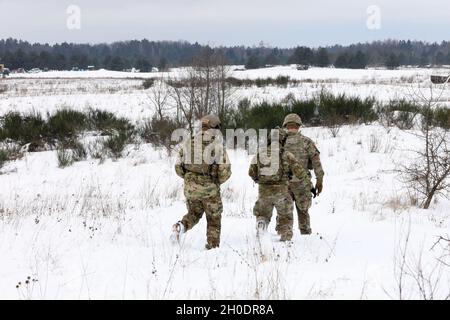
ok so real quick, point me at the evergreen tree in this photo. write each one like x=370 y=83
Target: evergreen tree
x=253 y=62
x=392 y=62
x=303 y=55
x=162 y=66
x=144 y=65
x=358 y=61
x=439 y=58
x=117 y=64
x=323 y=60
x=342 y=61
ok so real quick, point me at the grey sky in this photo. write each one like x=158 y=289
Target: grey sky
x=283 y=23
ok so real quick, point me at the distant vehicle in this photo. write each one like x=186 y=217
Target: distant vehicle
x=133 y=70
x=302 y=67
x=154 y=69
x=75 y=69
x=35 y=70
x=6 y=72
x=440 y=79
x=90 y=68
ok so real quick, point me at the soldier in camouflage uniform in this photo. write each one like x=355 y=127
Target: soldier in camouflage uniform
x=203 y=176
x=306 y=152
x=273 y=187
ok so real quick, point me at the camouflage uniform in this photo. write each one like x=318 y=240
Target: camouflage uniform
x=202 y=187
x=307 y=154
x=276 y=194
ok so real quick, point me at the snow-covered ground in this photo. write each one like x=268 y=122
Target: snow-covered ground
x=238 y=72
x=100 y=230
x=120 y=93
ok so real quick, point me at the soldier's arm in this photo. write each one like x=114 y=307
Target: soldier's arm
x=296 y=167
x=314 y=156
x=224 y=169
x=179 y=167
x=253 y=171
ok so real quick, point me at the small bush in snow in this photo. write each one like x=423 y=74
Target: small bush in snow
x=66 y=123
x=65 y=157
x=79 y=152
x=158 y=132
x=441 y=117
x=374 y=143
x=115 y=144
x=399 y=113
x=24 y=128
x=106 y=122
x=148 y=83
x=96 y=149
x=3 y=157
x=3 y=89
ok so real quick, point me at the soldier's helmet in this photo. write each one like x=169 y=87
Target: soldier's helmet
x=211 y=121
x=292 y=118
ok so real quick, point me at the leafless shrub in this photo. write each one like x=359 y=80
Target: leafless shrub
x=334 y=125
x=374 y=143
x=204 y=90
x=65 y=157
x=96 y=150
x=417 y=278
x=3 y=88
x=158 y=131
x=429 y=174
x=158 y=95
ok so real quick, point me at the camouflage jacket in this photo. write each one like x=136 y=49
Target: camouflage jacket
x=306 y=153
x=289 y=165
x=202 y=180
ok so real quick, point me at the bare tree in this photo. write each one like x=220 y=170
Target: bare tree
x=429 y=174
x=158 y=96
x=183 y=93
x=203 y=89
x=415 y=275
x=224 y=91
x=334 y=123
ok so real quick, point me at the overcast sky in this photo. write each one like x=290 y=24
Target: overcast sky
x=284 y=23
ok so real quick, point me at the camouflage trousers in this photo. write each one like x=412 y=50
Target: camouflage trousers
x=213 y=208
x=301 y=193
x=271 y=196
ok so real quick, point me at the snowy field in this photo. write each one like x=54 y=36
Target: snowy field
x=100 y=230
x=123 y=94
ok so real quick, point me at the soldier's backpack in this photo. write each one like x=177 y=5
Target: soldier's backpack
x=269 y=172
x=197 y=162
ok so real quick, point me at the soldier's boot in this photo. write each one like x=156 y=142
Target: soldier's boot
x=261 y=227
x=177 y=230
x=303 y=222
x=286 y=236
x=211 y=245
x=285 y=233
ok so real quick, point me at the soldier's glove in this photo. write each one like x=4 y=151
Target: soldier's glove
x=319 y=186
x=214 y=172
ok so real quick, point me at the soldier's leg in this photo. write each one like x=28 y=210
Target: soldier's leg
x=285 y=218
x=303 y=199
x=213 y=208
x=195 y=212
x=263 y=210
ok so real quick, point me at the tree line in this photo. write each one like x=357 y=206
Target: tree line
x=145 y=54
